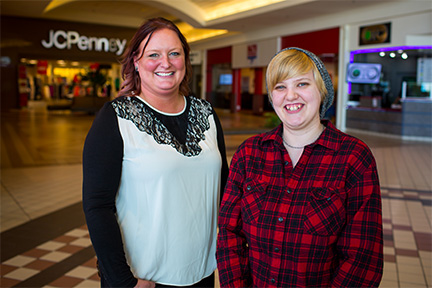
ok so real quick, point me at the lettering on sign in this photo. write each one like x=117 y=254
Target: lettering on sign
x=66 y=39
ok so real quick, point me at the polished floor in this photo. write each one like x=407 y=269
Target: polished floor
x=44 y=241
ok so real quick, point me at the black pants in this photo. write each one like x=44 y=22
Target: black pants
x=204 y=283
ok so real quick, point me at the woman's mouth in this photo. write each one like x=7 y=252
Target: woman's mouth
x=293 y=108
x=164 y=74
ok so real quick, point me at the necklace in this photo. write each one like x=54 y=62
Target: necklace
x=301 y=147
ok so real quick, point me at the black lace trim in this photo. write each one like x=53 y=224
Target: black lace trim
x=144 y=119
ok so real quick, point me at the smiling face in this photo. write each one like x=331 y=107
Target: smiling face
x=297 y=101
x=296 y=89
x=162 y=65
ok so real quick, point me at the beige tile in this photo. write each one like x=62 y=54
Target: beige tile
x=404 y=239
x=410 y=269
x=55 y=256
x=19 y=261
x=82 y=242
x=21 y=274
x=51 y=245
x=389 y=274
x=81 y=272
x=407 y=280
x=388 y=284
x=88 y=284
x=426 y=258
x=428 y=276
x=407 y=261
x=77 y=233
x=389 y=250
x=410 y=285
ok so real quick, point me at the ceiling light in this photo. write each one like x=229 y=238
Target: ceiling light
x=382 y=54
x=392 y=55
x=404 y=56
x=235 y=7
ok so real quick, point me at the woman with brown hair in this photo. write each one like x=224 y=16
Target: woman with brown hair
x=154 y=166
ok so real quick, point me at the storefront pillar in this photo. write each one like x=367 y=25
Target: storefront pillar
x=258 y=97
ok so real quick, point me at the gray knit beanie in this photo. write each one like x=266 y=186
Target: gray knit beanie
x=328 y=99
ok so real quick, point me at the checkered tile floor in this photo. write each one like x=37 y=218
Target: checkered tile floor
x=51 y=258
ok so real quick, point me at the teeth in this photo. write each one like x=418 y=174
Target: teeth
x=164 y=74
x=294 y=107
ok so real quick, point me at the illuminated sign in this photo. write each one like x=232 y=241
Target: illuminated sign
x=364 y=72
x=375 y=34
x=66 y=39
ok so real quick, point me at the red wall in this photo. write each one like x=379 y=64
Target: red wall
x=318 y=42
x=216 y=56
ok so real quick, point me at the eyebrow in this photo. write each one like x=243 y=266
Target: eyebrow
x=303 y=78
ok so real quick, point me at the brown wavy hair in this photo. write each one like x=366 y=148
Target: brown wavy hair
x=131 y=81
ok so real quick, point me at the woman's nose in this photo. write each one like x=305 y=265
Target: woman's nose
x=291 y=94
x=165 y=61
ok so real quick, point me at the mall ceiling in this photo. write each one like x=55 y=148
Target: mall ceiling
x=198 y=19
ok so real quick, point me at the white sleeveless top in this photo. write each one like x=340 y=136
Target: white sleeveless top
x=168 y=198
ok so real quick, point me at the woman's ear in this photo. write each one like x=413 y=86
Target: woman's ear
x=135 y=63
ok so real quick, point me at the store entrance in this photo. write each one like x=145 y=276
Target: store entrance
x=64 y=84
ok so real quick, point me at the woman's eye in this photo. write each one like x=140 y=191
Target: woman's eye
x=175 y=54
x=153 y=55
x=279 y=87
x=303 y=84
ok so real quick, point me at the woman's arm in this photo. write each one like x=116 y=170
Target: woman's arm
x=232 y=251
x=222 y=151
x=102 y=165
x=361 y=242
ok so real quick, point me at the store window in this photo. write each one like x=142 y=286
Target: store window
x=59 y=79
x=386 y=76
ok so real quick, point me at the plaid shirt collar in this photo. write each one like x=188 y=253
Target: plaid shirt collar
x=329 y=138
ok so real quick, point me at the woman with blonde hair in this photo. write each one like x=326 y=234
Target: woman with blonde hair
x=302 y=205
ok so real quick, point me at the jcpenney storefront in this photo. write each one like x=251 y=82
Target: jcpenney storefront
x=55 y=62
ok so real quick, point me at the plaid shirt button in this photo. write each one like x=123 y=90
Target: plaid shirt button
x=280 y=219
x=289 y=191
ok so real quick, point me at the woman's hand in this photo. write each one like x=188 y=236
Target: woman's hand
x=145 y=284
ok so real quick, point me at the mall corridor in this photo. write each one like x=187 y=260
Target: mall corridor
x=44 y=241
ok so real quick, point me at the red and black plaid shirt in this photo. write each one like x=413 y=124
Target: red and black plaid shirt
x=316 y=225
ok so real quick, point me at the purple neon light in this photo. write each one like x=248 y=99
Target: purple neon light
x=382 y=49
x=385 y=49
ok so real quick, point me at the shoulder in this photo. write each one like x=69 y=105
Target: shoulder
x=262 y=141
x=351 y=148
x=125 y=106
x=338 y=140
x=197 y=103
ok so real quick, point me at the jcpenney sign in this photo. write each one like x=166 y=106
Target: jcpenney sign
x=66 y=39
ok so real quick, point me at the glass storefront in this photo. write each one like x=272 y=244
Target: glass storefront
x=405 y=73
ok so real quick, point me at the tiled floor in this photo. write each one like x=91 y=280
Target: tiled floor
x=44 y=241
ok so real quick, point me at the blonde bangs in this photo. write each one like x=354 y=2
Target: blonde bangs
x=292 y=63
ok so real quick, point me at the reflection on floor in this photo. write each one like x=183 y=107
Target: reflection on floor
x=44 y=241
